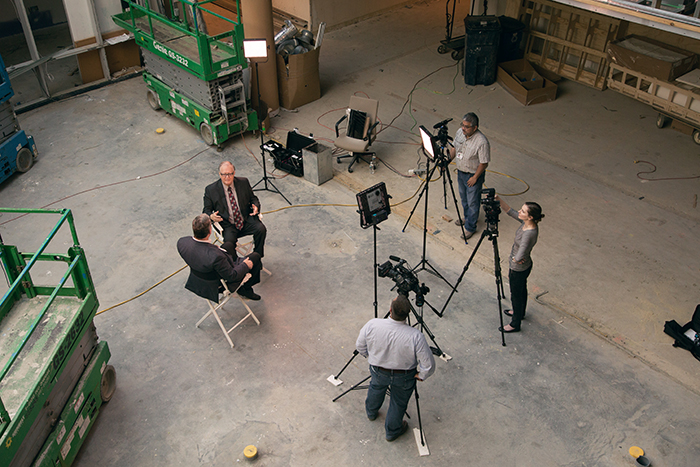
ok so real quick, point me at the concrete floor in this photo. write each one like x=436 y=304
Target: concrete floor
x=591 y=375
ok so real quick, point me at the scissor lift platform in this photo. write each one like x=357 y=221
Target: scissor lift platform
x=54 y=374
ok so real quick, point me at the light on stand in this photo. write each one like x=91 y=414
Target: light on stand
x=257 y=48
x=428 y=142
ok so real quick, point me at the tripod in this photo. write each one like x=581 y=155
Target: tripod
x=491 y=232
x=267 y=180
x=421 y=266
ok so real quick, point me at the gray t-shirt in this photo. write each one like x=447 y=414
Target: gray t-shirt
x=522 y=245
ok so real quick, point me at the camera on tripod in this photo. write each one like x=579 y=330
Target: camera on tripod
x=492 y=207
x=405 y=280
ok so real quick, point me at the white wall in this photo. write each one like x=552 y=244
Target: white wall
x=80 y=18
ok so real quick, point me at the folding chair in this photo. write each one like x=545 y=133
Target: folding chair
x=243 y=249
x=214 y=310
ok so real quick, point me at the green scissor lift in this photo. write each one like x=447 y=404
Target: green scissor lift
x=54 y=374
x=194 y=76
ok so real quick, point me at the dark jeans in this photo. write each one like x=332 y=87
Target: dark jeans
x=518 y=294
x=252 y=226
x=401 y=387
x=471 y=198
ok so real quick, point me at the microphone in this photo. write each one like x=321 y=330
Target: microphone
x=395 y=258
x=439 y=124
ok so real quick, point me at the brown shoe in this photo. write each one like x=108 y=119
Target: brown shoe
x=466 y=235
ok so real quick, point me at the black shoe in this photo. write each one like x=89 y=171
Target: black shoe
x=500 y=328
x=371 y=419
x=248 y=293
x=404 y=429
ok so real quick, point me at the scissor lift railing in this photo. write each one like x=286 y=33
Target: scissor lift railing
x=183 y=42
x=51 y=329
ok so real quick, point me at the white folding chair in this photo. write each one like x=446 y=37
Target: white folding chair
x=243 y=249
x=214 y=310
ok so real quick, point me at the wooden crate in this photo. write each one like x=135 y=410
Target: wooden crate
x=568 y=41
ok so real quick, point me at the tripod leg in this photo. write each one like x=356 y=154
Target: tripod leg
x=424 y=328
x=499 y=285
x=461 y=276
x=353 y=387
x=420 y=440
x=454 y=198
x=423 y=191
x=334 y=379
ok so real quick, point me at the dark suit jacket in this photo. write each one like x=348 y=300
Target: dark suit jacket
x=208 y=264
x=215 y=199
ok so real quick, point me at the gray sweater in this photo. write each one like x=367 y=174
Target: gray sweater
x=522 y=245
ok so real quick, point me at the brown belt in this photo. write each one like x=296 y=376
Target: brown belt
x=394 y=372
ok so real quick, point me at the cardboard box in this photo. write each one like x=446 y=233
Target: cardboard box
x=651 y=58
x=529 y=79
x=506 y=70
x=298 y=80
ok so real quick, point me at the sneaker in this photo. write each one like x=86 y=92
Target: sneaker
x=248 y=293
x=466 y=235
x=404 y=429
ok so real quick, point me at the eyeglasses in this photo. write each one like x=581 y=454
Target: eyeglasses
x=226 y=175
x=466 y=126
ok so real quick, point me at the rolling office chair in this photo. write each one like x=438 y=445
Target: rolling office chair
x=361 y=130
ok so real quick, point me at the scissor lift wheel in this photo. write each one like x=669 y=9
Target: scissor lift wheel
x=25 y=160
x=108 y=383
x=207 y=135
x=152 y=98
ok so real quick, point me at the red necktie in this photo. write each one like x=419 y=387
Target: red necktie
x=237 y=217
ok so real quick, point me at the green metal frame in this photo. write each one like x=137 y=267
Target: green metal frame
x=12 y=432
x=203 y=65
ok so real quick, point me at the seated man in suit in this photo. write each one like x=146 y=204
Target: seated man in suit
x=231 y=202
x=208 y=264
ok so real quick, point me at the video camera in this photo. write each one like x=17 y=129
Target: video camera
x=492 y=208
x=404 y=278
x=442 y=136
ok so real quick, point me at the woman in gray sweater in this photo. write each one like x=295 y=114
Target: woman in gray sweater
x=519 y=260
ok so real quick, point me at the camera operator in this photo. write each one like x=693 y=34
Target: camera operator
x=519 y=260
x=398 y=355
x=472 y=154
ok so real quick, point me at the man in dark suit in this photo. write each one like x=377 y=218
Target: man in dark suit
x=231 y=202
x=208 y=264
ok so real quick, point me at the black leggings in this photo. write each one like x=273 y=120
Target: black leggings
x=518 y=294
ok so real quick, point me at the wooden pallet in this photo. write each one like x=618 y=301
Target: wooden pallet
x=568 y=41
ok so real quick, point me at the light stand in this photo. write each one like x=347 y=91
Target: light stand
x=257 y=48
x=431 y=150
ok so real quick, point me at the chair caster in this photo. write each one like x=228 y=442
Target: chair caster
x=350 y=169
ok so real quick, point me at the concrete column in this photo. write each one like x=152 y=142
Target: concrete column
x=256 y=16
